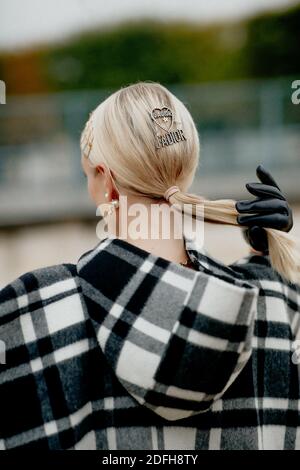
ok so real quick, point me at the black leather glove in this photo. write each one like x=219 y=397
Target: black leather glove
x=270 y=209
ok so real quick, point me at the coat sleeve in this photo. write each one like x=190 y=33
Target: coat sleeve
x=181 y=372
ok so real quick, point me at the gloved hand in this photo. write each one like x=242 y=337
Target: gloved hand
x=270 y=209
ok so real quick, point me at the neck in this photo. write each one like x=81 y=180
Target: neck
x=171 y=250
x=152 y=225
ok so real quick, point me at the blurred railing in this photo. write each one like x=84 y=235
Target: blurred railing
x=241 y=124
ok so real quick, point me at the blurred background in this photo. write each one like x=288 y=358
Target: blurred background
x=232 y=63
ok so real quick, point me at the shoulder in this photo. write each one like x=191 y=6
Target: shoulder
x=256 y=267
x=260 y=268
x=253 y=269
x=37 y=285
x=40 y=304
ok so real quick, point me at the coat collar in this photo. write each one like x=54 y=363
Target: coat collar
x=115 y=271
x=113 y=244
x=114 y=259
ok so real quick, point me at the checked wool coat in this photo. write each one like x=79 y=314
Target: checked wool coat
x=126 y=350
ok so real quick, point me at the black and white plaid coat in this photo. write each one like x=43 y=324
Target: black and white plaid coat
x=126 y=350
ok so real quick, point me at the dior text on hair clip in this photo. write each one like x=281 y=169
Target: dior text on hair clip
x=164 y=121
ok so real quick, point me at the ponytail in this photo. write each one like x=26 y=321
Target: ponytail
x=284 y=249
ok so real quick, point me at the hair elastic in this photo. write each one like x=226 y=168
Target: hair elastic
x=170 y=191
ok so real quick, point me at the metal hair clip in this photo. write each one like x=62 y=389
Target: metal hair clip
x=87 y=138
x=164 y=120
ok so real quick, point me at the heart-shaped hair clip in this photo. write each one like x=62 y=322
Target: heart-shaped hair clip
x=164 y=120
x=163 y=117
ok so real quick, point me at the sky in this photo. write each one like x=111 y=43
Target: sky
x=28 y=22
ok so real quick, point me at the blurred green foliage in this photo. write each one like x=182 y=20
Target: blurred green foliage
x=181 y=53
x=273 y=45
x=169 y=53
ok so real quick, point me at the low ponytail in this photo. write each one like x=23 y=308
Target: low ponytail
x=284 y=249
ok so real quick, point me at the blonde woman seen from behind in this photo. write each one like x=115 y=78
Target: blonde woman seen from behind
x=148 y=342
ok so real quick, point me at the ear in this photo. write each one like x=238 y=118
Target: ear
x=109 y=185
x=100 y=169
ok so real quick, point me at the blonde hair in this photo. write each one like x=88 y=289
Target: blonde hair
x=120 y=133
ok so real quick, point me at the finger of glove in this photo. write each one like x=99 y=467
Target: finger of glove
x=265 y=177
x=247 y=232
x=258 y=238
x=277 y=221
x=264 y=190
x=262 y=206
